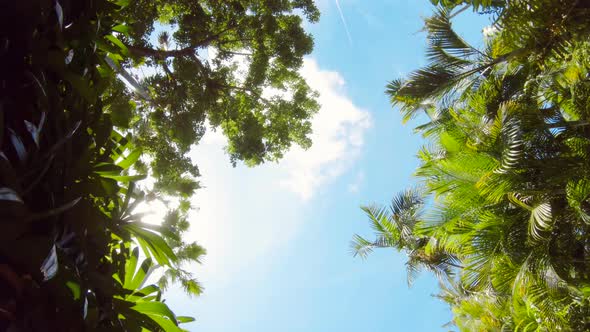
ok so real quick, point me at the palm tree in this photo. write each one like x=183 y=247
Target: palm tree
x=506 y=169
x=394 y=227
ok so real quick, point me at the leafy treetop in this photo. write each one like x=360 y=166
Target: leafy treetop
x=507 y=229
x=231 y=64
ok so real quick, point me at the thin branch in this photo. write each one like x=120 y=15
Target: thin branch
x=168 y=71
x=234 y=40
x=235 y=53
x=161 y=54
x=251 y=91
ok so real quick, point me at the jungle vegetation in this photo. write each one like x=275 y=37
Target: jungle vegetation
x=80 y=128
x=501 y=211
x=97 y=96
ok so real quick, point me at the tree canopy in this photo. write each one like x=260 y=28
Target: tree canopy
x=232 y=65
x=80 y=130
x=501 y=215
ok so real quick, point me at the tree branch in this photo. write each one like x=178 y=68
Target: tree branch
x=251 y=91
x=168 y=71
x=234 y=53
x=235 y=40
x=163 y=54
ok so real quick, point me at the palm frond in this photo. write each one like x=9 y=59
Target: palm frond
x=578 y=192
x=381 y=222
x=441 y=35
x=360 y=246
x=541 y=221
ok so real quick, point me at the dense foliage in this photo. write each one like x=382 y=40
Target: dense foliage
x=74 y=253
x=69 y=247
x=502 y=215
x=232 y=65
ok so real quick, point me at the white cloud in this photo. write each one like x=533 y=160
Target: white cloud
x=357 y=183
x=338 y=136
x=338 y=132
x=247 y=213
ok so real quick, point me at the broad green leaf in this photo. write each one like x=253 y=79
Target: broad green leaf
x=166 y=324
x=154 y=309
x=118 y=43
x=108 y=169
x=140 y=275
x=158 y=228
x=124 y=29
x=130 y=159
x=146 y=291
x=153 y=242
x=130 y=268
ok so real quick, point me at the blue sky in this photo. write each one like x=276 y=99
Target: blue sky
x=278 y=235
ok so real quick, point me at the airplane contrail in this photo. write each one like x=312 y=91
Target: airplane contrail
x=343 y=21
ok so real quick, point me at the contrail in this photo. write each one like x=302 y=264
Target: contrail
x=343 y=21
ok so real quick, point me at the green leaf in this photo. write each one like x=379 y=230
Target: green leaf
x=75 y=288
x=130 y=159
x=154 y=243
x=122 y=3
x=185 y=319
x=124 y=29
x=166 y=324
x=107 y=169
x=110 y=186
x=146 y=291
x=158 y=228
x=154 y=309
x=121 y=112
x=125 y=178
x=118 y=43
x=130 y=267
x=81 y=85
x=140 y=275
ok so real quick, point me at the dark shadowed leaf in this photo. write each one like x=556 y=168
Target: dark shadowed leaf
x=7 y=194
x=50 y=265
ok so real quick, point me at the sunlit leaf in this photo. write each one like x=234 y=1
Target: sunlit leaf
x=185 y=319
x=155 y=246
x=130 y=159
